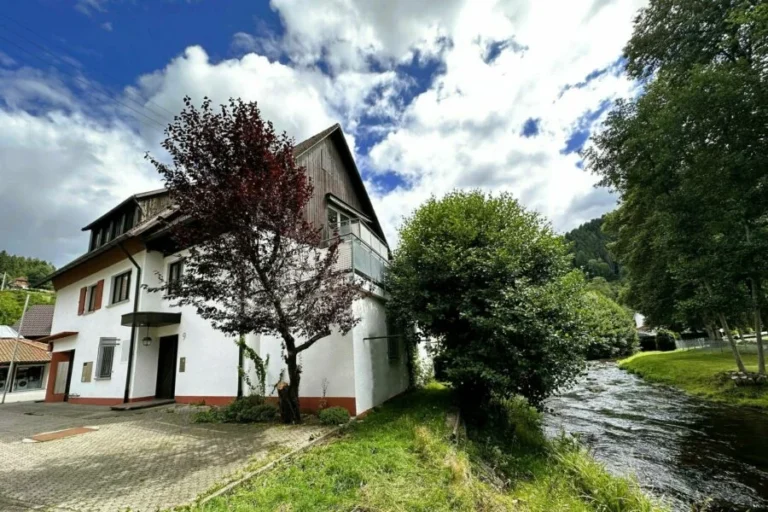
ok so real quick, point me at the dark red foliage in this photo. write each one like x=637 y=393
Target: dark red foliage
x=255 y=264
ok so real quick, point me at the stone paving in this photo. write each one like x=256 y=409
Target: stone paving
x=139 y=460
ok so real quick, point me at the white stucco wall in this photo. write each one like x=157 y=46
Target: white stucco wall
x=330 y=358
x=350 y=366
x=376 y=377
x=103 y=323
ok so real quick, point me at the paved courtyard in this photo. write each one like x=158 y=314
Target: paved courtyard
x=143 y=460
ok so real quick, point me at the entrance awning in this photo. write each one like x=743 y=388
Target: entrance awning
x=150 y=319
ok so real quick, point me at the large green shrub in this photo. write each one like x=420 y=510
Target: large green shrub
x=333 y=416
x=610 y=328
x=665 y=340
x=494 y=285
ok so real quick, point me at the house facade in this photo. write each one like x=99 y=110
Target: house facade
x=114 y=342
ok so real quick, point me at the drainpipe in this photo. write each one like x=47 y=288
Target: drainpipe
x=133 y=323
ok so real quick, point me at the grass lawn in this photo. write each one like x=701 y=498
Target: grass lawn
x=696 y=372
x=399 y=458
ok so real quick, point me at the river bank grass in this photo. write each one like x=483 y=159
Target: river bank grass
x=400 y=458
x=700 y=373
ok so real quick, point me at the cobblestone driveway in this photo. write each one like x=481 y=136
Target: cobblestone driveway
x=143 y=460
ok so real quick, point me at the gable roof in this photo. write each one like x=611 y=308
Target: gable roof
x=337 y=135
x=37 y=321
x=28 y=352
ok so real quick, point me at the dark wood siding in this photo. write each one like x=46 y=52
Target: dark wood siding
x=328 y=173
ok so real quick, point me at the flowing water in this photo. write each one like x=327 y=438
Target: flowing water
x=682 y=449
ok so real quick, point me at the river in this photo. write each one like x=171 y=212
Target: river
x=681 y=449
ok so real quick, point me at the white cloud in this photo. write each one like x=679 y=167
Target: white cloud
x=464 y=131
x=88 y=7
x=107 y=25
x=347 y=61
x=59 y=172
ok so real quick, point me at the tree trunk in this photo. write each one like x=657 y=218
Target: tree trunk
x=734 y=348
x=288 y=392
x=756 y=301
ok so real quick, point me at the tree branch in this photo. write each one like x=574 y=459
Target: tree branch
x=311 y=341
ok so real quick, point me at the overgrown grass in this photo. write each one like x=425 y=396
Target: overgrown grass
x=400 y=458
x=699 y=372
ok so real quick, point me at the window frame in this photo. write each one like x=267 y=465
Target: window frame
x=90 y=300
x=106 y=346
x=179 y=263
x=394 y=335
x=114 y=287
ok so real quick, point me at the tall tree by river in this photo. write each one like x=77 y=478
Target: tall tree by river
x=689 y=160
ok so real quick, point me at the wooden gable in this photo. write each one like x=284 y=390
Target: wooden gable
x=332 y=170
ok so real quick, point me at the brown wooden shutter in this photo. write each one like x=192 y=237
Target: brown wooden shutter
x=99 y=293
x=81 y=304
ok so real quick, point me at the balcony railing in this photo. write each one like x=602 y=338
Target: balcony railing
x=361 y=251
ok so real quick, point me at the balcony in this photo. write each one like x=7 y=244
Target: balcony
x=361 y=251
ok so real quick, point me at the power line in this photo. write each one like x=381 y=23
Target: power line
x=59 y=58
x=88 y=84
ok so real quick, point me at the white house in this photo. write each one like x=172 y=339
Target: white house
x=98 y=357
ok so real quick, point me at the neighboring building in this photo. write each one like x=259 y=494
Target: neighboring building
x=37 y=322
x=179 y=355
x=20 y=282
x=30 y=372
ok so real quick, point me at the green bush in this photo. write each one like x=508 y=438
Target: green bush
x=665 y=340
x=611 y=332
x=513 y=421
x=248 y=409
x=333 y=416
x=212 y=415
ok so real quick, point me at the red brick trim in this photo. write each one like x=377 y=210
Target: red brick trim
x=207 y=400
x=312 y=403
x=105 y=401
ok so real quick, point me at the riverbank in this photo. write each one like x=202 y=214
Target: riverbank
x=700 y=373
x=400 y=458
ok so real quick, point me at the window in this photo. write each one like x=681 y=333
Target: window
x=92 y=297
x=337 y=223
x=28 y=378
x=105 y=357
x=393 y=342
x=121 y=287
x=175 y=271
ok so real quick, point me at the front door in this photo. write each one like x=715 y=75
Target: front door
x=166 y=367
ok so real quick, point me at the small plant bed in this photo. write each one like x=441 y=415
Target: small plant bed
x=400 y=457
x=705 y=373
x=250 y=409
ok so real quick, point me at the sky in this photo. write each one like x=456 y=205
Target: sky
x=433 y=96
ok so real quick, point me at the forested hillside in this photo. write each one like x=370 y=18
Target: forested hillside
x=20 y=266
x=590 y=252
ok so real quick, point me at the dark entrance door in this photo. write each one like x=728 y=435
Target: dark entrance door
x=69 y=375
x=166 y=367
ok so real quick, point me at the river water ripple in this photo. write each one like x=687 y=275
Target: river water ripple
x=682 y=449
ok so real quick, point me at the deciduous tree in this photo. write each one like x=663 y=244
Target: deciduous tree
x=255 y=263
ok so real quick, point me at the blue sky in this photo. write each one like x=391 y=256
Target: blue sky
x=499 y=95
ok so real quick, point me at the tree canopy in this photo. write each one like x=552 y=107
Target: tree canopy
x=255 y=264
x=494 y=286
x=689 y=160
x=33 y=269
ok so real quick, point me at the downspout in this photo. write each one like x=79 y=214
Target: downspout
x=133 y=323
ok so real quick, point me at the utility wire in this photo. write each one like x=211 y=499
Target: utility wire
x=88 y=84
x=59 y=58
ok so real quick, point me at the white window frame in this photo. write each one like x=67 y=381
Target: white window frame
x=90 y=297
x=112 y=287
x=181 y=263
x=104 y=343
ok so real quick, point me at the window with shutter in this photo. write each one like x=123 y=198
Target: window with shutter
x=92 y=298
x=105 y=358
